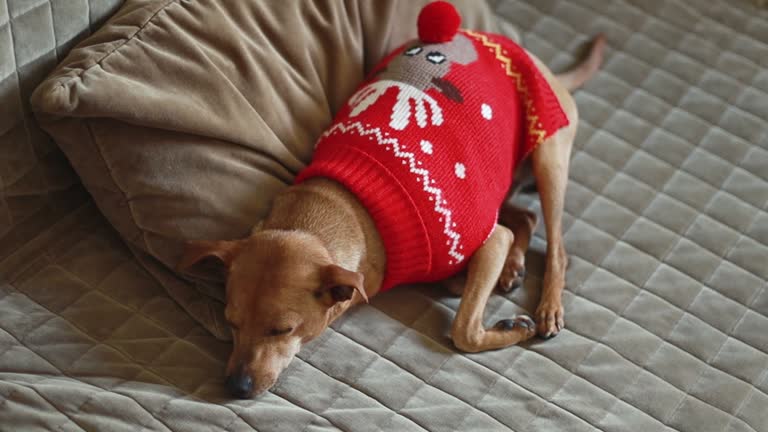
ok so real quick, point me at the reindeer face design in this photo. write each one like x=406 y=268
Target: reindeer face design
x=424 y=65
x=416 y=69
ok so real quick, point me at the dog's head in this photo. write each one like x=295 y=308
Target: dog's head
x=283 y=289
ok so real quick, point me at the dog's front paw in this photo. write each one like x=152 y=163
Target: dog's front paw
x=523 y=322
x=550 y=318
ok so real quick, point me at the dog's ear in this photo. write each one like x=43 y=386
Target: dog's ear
x=208 y=257
x=339 y=284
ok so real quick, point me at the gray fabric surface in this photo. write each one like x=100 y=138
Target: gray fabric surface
x=666 y=300
x=36 y=182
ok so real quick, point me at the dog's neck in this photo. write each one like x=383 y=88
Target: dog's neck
x=327 y=210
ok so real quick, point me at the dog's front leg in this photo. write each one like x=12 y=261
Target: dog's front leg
x=550 y=168
x=483 y=272
x=550 y=165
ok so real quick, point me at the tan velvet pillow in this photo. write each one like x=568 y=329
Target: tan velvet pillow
x=184 y=118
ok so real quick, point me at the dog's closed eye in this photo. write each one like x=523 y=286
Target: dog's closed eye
x=279 y=331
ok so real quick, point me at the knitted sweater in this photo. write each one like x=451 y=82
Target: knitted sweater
x=429 y=144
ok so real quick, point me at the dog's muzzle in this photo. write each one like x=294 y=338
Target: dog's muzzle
x=240 y=384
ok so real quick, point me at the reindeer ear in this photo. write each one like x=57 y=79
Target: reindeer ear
x=208 y=258
x=461 y=50
x=339 y=284
x=449 y=90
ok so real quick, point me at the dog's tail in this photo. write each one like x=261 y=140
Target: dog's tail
x=577 y=76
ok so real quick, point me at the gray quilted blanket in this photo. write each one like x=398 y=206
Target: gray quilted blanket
x=666 y=226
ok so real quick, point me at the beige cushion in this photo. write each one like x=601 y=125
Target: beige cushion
x=183 y=119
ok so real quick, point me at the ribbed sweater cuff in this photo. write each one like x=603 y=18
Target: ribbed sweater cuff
x=389 y=205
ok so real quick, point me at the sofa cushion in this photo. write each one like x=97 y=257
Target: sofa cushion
x=183 y=119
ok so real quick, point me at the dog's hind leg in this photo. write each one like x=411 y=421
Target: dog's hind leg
x=522 y=222
x=483 y=271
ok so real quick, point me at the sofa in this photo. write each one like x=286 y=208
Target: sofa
x=666 y=227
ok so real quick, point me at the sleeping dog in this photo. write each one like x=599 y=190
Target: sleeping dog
x=408 y=185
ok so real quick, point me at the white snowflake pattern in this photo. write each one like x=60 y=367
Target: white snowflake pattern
x=460 y=170
x=426 y=147
x=486 y=111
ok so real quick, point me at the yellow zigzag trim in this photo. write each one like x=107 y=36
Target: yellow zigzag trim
x=534 y=127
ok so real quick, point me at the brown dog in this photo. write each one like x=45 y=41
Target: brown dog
x=318 y=253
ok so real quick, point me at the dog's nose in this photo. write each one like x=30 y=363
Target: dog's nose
x=240 y=384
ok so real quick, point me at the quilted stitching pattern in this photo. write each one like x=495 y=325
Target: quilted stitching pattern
x=667 y=299
x=36 y=183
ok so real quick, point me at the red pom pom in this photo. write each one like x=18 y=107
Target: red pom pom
x=438 y=22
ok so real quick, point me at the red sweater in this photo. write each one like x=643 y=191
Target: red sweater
x=429 y=145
